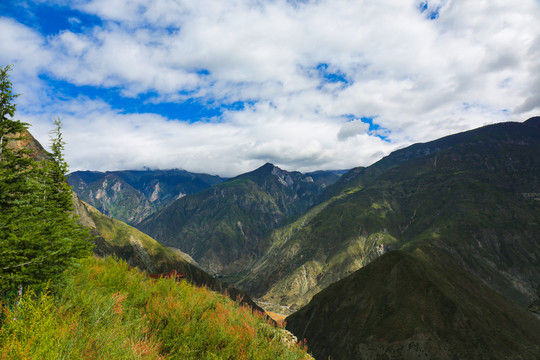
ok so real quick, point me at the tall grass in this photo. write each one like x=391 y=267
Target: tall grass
x=105 y=310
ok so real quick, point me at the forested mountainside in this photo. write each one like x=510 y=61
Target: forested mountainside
x=415 y=305
x=223 y=227
x=474 y=195
x=132 y=195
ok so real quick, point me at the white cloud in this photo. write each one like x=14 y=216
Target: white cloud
x=477 y=63
x=351 y=129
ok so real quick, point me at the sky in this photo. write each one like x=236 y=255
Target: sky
x=223 y=87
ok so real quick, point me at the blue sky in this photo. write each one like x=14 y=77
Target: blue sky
x=223 y=87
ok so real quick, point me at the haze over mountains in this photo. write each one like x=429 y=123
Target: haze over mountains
x=463 y=211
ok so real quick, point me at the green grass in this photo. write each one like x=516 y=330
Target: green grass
x=106 y=310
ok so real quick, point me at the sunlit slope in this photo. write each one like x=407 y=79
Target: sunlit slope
x=107 y=310
x=116 y=238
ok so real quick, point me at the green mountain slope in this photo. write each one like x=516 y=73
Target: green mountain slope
x=132 y=195
x=222 y=228
x=474 y=194
x=417 y=305
x=116 y=238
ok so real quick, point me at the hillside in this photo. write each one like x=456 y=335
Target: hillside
x=223 y=227
x=115 y=238
x=132 y=195
x=473 y=194
x=106 y=310
x=415 y=305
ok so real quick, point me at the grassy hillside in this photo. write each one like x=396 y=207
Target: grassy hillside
x=115 y=238
x=106 y=310
x=418 y=305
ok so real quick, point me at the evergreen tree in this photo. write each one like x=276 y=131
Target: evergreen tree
x=39 y=237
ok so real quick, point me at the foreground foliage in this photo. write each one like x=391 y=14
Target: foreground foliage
x=106 y=310
x=39 y=237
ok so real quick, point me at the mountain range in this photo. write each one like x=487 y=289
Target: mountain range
x=132 y=195
x=473 y=195
x=431 y=252
x=224 y=227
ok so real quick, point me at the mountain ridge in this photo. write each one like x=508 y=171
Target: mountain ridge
x=132 y=195
x=222 y=227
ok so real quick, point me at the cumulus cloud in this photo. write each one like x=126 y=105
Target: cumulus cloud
x=423 y=68
x=351 y=129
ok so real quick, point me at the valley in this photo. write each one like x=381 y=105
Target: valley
x=432 y=252
x=458 y=211
x=270 y=180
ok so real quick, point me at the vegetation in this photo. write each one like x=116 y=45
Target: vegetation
x=116 y=238
x=39 y=238
x=105 y=309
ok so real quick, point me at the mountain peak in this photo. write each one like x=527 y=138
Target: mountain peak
x=267 y=167
x=534 y=122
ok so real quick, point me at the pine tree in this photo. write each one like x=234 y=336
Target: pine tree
x=39 y=237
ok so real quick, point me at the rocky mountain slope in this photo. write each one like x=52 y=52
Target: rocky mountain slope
x=132 y=195
x=415 y=305
x=474 y=194
x=222 y=228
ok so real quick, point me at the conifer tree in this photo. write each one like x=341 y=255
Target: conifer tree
x=39 y=237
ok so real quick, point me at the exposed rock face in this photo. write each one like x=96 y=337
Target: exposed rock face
x=418 y=305
x=28 y=142
x=130 y=196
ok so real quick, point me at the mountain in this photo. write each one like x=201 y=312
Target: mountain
x=222 y=228
x=474 y=195
x=415 y=305
x=132 y=195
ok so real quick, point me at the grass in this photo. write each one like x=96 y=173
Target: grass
x=106 y=310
